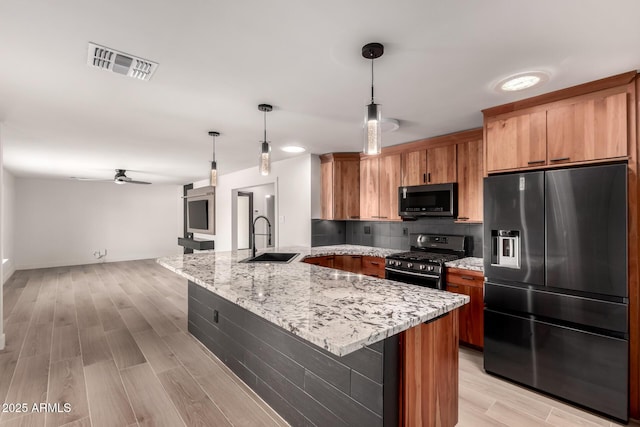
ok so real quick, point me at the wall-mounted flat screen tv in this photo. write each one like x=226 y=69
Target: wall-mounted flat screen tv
x=199 y=214
x=201 y=209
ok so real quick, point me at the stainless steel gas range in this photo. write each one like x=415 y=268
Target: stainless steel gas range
x=424 y=264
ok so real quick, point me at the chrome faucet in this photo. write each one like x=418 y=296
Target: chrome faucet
x=253 y=234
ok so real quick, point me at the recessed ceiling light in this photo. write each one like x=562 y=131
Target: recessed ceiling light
x=293 y=149
x=522 y=81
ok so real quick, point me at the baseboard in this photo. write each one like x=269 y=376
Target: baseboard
x=7 y=271
x=70 y=263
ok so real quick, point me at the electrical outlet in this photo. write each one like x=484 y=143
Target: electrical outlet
x=215 y=316
x=405 y=231
x=367 y=229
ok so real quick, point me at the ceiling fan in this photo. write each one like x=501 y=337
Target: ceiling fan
x=122 y=178
x=119 y=178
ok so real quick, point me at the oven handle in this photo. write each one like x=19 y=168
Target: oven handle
x=410 y=273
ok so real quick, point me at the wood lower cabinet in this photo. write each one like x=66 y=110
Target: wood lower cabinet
x=588 y=130
x=470 y=174
x=359 y=264
x=340 y=185
x=350 y=263
x=322 y=261
x=373 y=266
x=471 y=315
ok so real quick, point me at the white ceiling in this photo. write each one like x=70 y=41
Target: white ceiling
x=220 y=59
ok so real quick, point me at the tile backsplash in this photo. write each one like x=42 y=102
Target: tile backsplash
x=394 y=235
x=326 y=232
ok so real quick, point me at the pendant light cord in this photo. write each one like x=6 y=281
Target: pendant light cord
x=372 y=80
x=213 y=156
x=265 y=126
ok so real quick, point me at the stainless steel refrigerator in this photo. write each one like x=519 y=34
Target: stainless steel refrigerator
x=556 y=299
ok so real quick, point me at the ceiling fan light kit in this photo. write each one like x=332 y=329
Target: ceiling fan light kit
x=264 y=164
x=372 y=115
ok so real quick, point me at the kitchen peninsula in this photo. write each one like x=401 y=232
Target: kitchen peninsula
x=327 y=347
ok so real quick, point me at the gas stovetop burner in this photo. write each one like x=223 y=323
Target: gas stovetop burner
x=424 y=257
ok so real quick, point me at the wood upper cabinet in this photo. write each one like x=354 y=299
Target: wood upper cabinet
x=470 y=174
x=430 y=166
x=380 y=178
x=588 y=130
x=516 y=142
x=414 y=167
x=326 y=189
x=390 y=180
x=579 y=129
x=340 y=179
x=441 y=164
x=369 y=188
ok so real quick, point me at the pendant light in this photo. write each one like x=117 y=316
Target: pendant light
x=213 y=179
x=265 y=153
x=372 y=115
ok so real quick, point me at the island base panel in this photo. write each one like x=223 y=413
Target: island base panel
x=429 y=362
x=409 y=379
x=304 y=383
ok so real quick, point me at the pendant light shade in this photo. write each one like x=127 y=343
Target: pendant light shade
x=372 y=116
x=265 y=159
x=213 y=177
x=372 y=130
x=264 y=164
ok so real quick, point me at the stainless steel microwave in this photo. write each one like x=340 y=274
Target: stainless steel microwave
x=428 y=200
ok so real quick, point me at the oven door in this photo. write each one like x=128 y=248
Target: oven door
x=421 y=279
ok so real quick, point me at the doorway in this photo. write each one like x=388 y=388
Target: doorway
x=244 y=219
x=250 y=203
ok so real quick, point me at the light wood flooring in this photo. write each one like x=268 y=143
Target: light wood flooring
x=111 y=340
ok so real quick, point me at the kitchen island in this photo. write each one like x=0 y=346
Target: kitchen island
x=327 y=347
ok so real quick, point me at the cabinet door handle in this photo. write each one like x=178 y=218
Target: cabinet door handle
x=560 y=159
x=428 y=176
x=466 y=277
x=356 y=256
x=374 y=263
x=354 y=217
x=382 y=217
x=463 y=218
x=424 y=177
x=533 y=162
x=451 y=286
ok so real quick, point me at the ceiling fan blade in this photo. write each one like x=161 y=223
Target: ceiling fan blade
x=79 y=178
x=130 y=181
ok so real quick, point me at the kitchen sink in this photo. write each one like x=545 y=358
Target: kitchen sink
x=273 y=257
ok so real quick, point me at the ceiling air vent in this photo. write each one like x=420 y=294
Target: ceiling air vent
x=122 y=63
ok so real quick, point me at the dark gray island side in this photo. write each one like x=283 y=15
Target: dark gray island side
x=323 y=347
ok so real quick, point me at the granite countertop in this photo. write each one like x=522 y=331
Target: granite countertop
x=338 y=311
x=469 y=263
